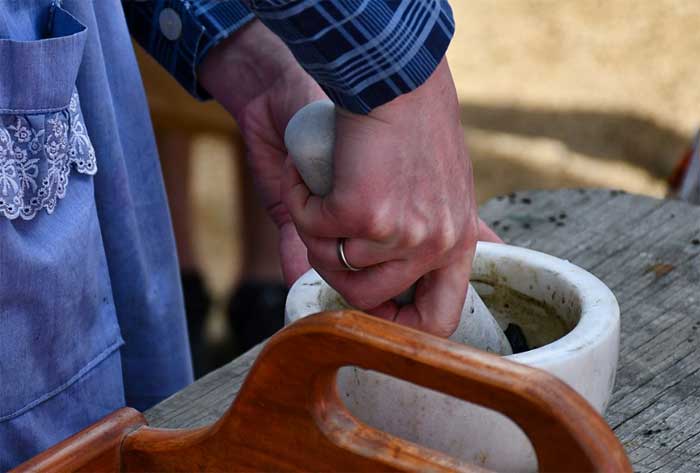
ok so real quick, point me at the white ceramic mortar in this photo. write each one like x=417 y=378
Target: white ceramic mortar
x=585 y=358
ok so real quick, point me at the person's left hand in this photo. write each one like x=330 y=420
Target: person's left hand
x=270 y=88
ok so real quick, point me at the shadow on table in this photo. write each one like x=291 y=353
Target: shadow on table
x=602 y=135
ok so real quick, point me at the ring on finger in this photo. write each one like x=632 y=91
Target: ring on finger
x=342 y=258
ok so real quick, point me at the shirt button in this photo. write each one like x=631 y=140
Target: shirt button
x=170 y=24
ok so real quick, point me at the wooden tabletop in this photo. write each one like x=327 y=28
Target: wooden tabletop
x=646 y=250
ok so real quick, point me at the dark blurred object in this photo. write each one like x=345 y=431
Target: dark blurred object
x=197 y=306
x=256 y=312
x=516 y=337
x=684 y=183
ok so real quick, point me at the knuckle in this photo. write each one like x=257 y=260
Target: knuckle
x=358 y=301
x=314 y=262
x=443 y=327
x=371 y=218
x=446 y=237
x=380 y=231
x=376 y=228
x=317 y=262
x=303 y=227
x=377 y=222
x=279 y=213
x=365 y=294
x=414 y=235
x=442 y=330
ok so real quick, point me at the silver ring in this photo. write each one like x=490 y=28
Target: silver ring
x=342 y=258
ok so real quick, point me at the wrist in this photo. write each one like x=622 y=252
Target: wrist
x=438 y=88
x=244 y=66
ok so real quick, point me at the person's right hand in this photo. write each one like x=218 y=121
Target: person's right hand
x=402 y=199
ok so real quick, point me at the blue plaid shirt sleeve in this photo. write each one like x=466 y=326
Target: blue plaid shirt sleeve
x=179 y=33
x=364 y=53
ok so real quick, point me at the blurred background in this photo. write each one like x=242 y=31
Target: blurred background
x=553 y=94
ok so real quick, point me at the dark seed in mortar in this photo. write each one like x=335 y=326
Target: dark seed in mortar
x=516 y=337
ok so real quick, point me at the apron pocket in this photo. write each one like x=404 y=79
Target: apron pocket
x=41 y=74
x=42 y=131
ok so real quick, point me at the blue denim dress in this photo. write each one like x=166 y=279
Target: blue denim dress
x=91 y=312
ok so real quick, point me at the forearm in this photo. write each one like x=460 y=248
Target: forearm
x=363 y=54
x=179 y=34
x=242 y=67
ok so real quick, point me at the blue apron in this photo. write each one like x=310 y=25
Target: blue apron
x=91 y=312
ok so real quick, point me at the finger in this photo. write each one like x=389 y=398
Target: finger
x=359 y=253
x=309 y=212
x=292 y=254
x=487 y=234
x=386 y=310
x=373 y=286
x=439 y=299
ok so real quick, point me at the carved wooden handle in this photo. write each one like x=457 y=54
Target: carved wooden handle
x=288 y=416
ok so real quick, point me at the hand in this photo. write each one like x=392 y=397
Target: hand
x=270 y=88
x=403 y=199
x=259 y=82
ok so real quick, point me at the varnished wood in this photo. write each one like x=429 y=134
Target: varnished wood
x=288 y=416
x=95 y=449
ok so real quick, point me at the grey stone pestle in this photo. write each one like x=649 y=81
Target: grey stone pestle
x=310 y=137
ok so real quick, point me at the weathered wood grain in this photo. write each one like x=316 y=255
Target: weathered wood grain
x=205 y=401
x=647 y=251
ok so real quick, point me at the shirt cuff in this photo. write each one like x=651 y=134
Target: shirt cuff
x=364 y=53
x=179 y=33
